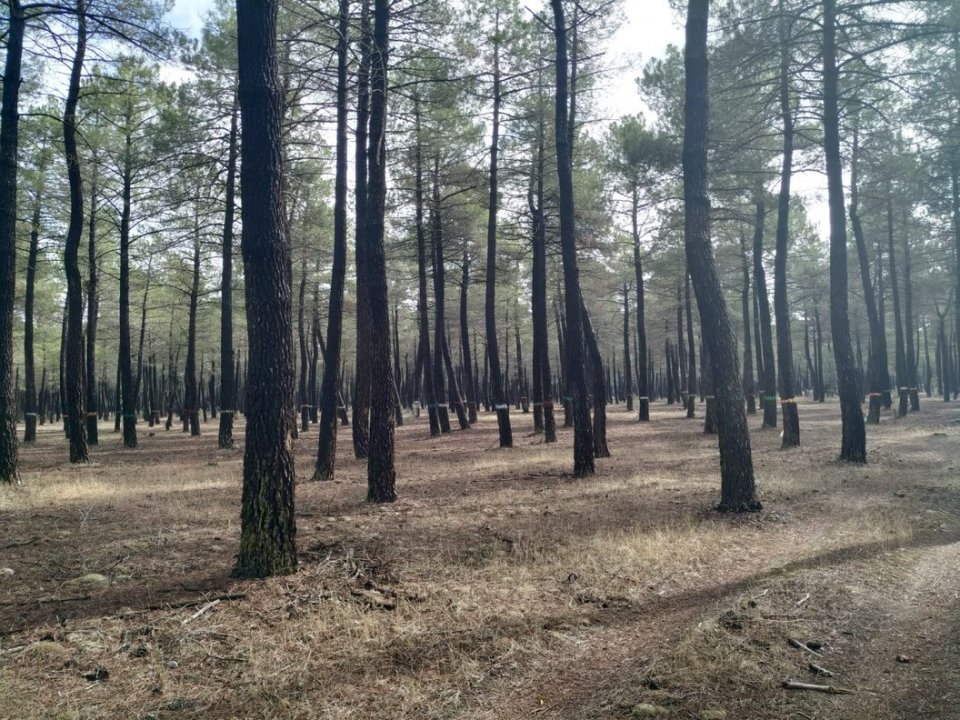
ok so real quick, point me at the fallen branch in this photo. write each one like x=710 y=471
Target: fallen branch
x=802 y=646
x=182 y=604
x=206 y=608
x=22 y=543
x=830 y=689
x=820 y=670
x=802 y=600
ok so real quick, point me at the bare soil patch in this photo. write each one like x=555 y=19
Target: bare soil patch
x=497 y=586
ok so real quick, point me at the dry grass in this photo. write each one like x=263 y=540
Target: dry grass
x=497 y=587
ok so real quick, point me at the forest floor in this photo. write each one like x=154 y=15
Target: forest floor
x=497 y=587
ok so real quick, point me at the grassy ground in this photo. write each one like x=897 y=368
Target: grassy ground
x=497 y=587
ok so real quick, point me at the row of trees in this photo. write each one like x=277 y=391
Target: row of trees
x=641 y=246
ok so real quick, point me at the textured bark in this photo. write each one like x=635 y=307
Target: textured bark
x=627 y=365
x=267 y=524
x=381 y=476
x=468 y=380
x=692 y=362
x=9 y=140
x=598 y=388
x=736 y=462
x=574 y=370
x=73 y=407
x=769 y=377
x=191 y=398
x=854 y=441
x=228 y=380
x=877 y=362
x=361 y=392
x=908 y=320
x=498 y=396
x=93 y=310
x=542 y=379
x=748 y=384
x=903 y=384
x=29 y=364
x=785 y=371
x=304 y=364
x=436 y=265
x=327 y=441
x=643 y=389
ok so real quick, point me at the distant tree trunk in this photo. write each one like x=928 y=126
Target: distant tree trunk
x=785 y=369
x=93 y=310
x=542 y=378
x=853 y=444
x=315 y=353
x=191 y=399
x=268 y=526
x=748 y=385
x=736 y=462
x=381 y=476
x=692 y=362
x=73 y=356
x=9 y=140
x=468 y=379
x=903 y=384
x=302 y=343
x=643 y=389
x=912 y=346
x=583 y=444
x=498 y=396
x=597 y=384
x=878 y=350
x=327 y=442
x=436 y=265
x=627 y=365
x=710 y=402
x=228 y=378
x=29 y=364
x=926 y=352
x=769 y=403
x=362 y=383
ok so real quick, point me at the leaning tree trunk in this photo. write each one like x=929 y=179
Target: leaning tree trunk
x=583 y=447
x=73 y=356
x=878 y=345
x=9 y=139
x=381 y=476
x=769 y=391
x=228 y=379
x=362 y=377
x=853 y=446
x=499 y=397
x=267 y=524
x=93 y=310
x=785 y=370
x=737 y=492
x=327 y=441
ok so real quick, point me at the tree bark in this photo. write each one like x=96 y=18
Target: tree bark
x=737 y=492
x=468 y=380
x=191 y=399
x=853 y=446
x=769 y=377
x=903 y=383
x=748 y=382
x=93 y=310
x=268 y=526
x=73 y=356
x=583 y=443
x=381 y=476
x=29 y=364
x=228 y=380
x=327 y=442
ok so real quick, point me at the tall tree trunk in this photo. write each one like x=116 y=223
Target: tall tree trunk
x=627 y=365
x=381 y=476
x=643 y=389
x=769 y=396
x=877 y=361
x=228 y=378
x=436 y=265
x=327 y=442
x=191 y=398
x=468 y=380
x=499 y=397
x=692 y=362
x=29 y=364
x=853 y=446
x=93 y=310
x=9 y=140
x=583 y=444
x=595 y=368
x=903 y=384
x=785 y=369
x=542 y=379
x=737 y=492
x=363 y=379
x=267 y=523
x=748 y=384
x=73 y=356
x=913 y=340
x=304 y=364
